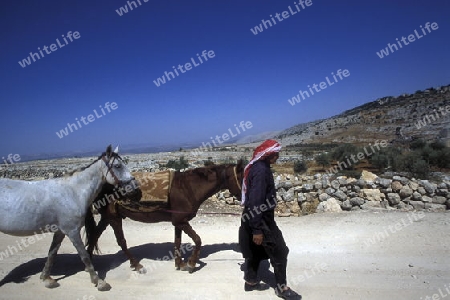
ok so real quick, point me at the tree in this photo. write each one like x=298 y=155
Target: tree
x=420 y=169
x=300 y=166
x=417 y=144
x=379 y=161
x=323 y=159
x=343 y=153
x=440 y=158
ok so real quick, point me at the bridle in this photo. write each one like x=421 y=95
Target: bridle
x=109 y=165
x=235 y=177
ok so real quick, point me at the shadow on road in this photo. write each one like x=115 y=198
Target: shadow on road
x=67 y=265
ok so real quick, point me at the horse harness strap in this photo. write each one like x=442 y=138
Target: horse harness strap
x=235 y=176
x=109 y=166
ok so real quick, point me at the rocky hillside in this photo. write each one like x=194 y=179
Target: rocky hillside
x=424 y=114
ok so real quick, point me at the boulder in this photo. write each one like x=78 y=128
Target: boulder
x=405 y=192
x=324 y=197
x=311 y=197
x=418 y=205
x=331 y=205
x=396 y=186
x=318 y=185
x=372 y=194
x=301 y=197
x=403 y=180
x=421 y=190
x=413 y=185
x=288 y=184
x=361 y=183
x=442 y=192
x=340 y=195
x=439 y=200
x=393 y=198
x=342 y=180
x=416 y=196
x=427 y=199
x=293 y=207
x=330 y=191
x=371 y=205
x=356 y=201
x=430 y=188
x=384 y=183
x=325 y=182
x=433 y=207
x=289 y=195
x=368 y=176
x=346 y=205
x=405 y=207
x=335 y=184
x=309 y=207
x=307 y=187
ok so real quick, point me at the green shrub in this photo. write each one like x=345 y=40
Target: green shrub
x=420 y=169
x=177 y=165
x=323 y=159
x=342 y=152
x=379 y=160
x=300 y=166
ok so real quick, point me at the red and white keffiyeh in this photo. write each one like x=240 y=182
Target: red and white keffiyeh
x=267 y=148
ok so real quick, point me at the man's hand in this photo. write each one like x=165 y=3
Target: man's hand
x=258 y=239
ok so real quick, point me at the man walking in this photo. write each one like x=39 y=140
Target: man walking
x=259 y=236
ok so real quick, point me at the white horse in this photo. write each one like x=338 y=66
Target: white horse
x=27 y=207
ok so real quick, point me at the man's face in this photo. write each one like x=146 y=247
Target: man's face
x=273 y=158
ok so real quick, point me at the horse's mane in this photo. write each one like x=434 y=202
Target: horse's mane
x=84 y=168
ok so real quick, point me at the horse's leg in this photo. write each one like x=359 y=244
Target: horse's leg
x=49 y=282
x=179 y=263
x=116 y=224
x=93 y=238
x=75 y=238
x=192 y=261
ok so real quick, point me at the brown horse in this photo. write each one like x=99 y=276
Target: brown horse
x=188 y=191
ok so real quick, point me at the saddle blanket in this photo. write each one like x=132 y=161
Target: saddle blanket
x=155 y=186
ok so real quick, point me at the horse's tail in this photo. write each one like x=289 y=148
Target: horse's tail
x=90 y=228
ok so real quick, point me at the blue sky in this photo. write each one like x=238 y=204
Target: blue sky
x=250 y=78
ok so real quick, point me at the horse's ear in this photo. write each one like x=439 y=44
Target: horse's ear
x=240 y=165
x=108 y=150
x=206 y=172
x=116 y=151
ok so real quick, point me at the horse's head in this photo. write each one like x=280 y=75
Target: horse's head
x=114 y=169
x=118 y=179
x=233 y=178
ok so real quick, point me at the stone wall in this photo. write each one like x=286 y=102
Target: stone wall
x=328 y=193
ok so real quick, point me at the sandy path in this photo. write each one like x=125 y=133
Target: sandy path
x=332 y=256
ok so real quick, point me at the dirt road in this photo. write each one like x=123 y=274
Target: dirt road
x=358 y=255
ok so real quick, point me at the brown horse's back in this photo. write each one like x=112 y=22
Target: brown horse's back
x=159 y=215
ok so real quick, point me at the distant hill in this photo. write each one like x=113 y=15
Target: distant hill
x=424 y=114
x=400 y=119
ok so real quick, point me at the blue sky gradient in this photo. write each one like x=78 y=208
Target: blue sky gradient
x=250 y=78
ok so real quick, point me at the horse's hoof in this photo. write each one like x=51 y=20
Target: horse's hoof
x=142 y=270
x=183 y=268
x=190 y=269
x=51 y=283
x=103 y=286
